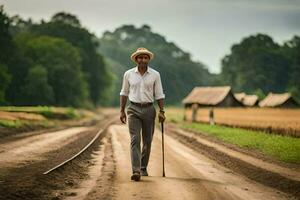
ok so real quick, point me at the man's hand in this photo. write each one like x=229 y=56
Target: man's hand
x=123 y=117
x=161 y=116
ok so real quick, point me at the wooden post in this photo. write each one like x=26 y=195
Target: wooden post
x=195 y=110
x=211 y=116
x=184 y=112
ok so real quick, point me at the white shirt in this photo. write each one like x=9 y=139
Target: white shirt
x=142 y=89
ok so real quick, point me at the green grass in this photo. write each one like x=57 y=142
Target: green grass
x=278 y=147
x=25 y=108
x=71 y=113
x=283 y=148
x=20 y=123
x=50 y=112
x=47 y=111
x=10 y=123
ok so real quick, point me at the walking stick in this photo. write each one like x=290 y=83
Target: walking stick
x=163 y=150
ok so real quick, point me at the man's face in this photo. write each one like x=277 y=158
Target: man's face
x=143 y=60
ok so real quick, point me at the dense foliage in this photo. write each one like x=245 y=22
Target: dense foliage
x=259 y=65
x=59 y=62
x=51 y=63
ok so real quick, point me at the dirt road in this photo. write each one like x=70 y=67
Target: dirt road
x=25 y=157
x=188 y=175
x=104 y=172
x=31 y=148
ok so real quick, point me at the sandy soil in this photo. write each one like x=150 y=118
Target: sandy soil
x=21 y=115
x=25 y=157
x=104 y=171
x=292 y=172
x=31 y=148
x=189 y=175
x=283 y=177
x=25 y=179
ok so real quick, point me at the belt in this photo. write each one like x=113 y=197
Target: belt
x=141 y=104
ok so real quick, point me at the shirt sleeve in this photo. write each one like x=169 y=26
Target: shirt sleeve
x=125 y=85
x=158 y=90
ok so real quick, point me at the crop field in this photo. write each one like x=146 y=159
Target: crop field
x=18 y=116
x=272 y=120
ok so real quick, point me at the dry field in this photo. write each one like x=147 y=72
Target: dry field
x=273 y=120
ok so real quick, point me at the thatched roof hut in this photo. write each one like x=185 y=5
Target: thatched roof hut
x=220 y=96
x=284 y=100
x=239 y=96
x=247 y=100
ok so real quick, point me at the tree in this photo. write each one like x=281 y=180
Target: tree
x=62 y=63
x=37 y=90
x=256 y=63
x=291 y=49
x=66 y=18
x=68 y=27
x=4 y=82
x=6 y=45
x=6 y=49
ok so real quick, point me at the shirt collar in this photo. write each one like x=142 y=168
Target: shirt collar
x=136 y=69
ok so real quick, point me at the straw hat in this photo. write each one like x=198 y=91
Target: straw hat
x=139 y=51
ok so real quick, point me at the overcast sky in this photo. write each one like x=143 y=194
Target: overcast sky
x=204 y=28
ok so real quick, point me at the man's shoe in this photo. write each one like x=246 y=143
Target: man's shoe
x=144 y=172
x=136 y=176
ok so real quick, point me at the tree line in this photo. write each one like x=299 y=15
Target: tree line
x=259 y=65
x=50 y=63
x=179 y=73
x=61 y=63
x=256 y=65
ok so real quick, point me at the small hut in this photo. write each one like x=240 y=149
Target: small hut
x=284 y=100
x=220 y=96
x=247 y=100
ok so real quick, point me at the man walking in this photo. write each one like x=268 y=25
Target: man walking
x=142 y=85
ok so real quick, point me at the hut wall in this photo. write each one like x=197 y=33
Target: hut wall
x=230 y=101
x=290 y=103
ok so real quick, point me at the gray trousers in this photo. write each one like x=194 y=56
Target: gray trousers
x=140 y=119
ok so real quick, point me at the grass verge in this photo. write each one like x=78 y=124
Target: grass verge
x=49 y=112
x=278 y=147
x=283 y=148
